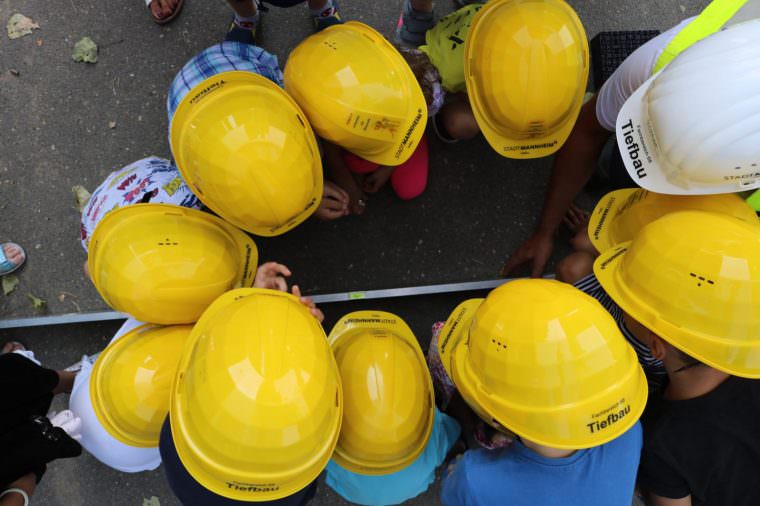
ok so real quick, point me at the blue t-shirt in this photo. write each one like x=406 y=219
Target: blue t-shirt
x=402 y=485
x=601 y=476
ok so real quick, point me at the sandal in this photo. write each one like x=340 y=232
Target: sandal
x=6 y=265
x=163 y=21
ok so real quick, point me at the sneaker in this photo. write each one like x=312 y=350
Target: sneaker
x=329 y=17
x=412 y=26
x=245 y=32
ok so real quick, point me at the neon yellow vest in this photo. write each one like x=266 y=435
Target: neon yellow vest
x=708 y=22
x=444 y=45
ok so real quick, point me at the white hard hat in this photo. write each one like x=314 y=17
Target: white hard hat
x=694 y=127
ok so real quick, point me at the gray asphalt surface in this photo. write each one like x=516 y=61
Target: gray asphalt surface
x=54 y=133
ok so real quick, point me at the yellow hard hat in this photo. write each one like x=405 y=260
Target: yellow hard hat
x=256 y=406
x=389 y=401
x=526 y=66
x=693 y=279
x=546 y=361
x=131 y=382
x=358 y=92
x=620 y=214
x=165 y=264
x=247 y=151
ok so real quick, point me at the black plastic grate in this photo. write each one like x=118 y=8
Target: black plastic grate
x=609 y=49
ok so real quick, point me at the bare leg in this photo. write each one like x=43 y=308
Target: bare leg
x=317 y=4
x=575 y=267
x=243 y=8
x=459 y=120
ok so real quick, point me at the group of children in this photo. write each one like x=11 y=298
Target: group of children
x=233 y=384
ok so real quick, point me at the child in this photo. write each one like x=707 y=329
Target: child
x=324 y=13
x=546 y=362
x=121 y=420
x=290 y=173
x=617 y=218
x=374 y=122
x=255 y=423
x=692 y=280
x=392 y=439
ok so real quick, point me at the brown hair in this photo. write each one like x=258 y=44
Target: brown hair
x=423 y=69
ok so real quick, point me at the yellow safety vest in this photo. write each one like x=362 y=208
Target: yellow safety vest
x=444 y=45
x=708 y=22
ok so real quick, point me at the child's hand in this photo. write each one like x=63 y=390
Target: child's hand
x=309 y=303
x=576 y=218
x=272 y=275
x=334 y=203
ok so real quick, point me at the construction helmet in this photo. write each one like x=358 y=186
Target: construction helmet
x=665 y=141
x=693 y=279
x=389 y=401
x=165 y=264
x=131 y=382
x=546 y=361
x=256 y=405
x=620 y=214
x=247 y=151
x=358 y=92
x=526 y=66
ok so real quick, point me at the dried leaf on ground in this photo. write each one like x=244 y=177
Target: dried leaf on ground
x=85 y=51
x=81 y=196
x=37 y=303
x=20 y=25
x=153 y=501
x=9 y=283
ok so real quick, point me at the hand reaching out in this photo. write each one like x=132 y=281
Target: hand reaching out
x=334 y=203
x=309 y=303
x=536 y=249
x=272 y=275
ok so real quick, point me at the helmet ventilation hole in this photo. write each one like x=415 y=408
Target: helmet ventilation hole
x=701 y=279
x=499 y=345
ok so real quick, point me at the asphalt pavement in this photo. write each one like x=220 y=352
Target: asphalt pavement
x=65 y=123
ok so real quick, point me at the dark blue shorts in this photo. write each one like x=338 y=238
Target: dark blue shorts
x=190 y=492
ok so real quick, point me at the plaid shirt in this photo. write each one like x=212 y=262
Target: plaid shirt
x=223 y=57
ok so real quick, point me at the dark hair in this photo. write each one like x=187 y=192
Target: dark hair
x=423 y=69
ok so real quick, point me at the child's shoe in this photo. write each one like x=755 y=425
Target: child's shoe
x=328 y=16
x=244 y=30
x=412 y=26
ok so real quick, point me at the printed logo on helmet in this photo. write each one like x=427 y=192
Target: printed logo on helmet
x=635 y=151
x=609 y=417
x=603 y=219
x=208 y=89
x=409 y=133
x=252 y=487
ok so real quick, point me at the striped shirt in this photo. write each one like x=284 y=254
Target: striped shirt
x=224 y=57
x=653 y=367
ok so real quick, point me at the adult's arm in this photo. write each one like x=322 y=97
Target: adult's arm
x=573 y=166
